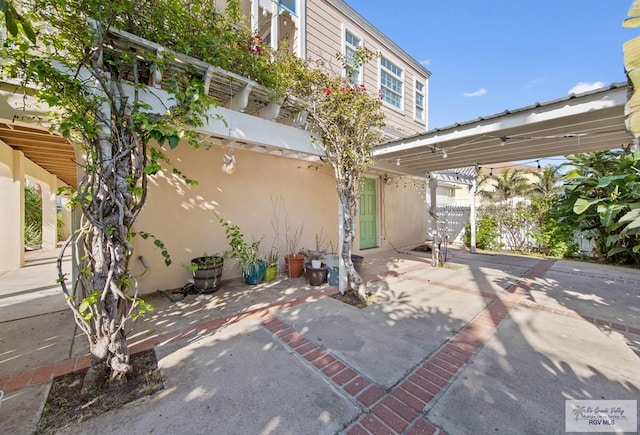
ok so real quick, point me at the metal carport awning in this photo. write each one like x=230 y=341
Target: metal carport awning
x=591 y=121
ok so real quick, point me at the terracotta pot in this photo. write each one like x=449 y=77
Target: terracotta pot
x=295 y=265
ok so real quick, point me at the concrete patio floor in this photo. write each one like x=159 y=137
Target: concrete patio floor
x=487 y=344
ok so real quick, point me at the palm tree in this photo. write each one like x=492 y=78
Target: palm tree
x=506 y=185
x=547 y=182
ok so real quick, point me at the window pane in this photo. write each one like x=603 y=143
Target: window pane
x=391 y=82
x=420 y=86
x=352 y=40
x=391 y=97
x=391 y=67
x=289 y=5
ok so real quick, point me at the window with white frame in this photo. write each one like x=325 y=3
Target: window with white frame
x=419 y=109
x=289 y=5
x=391 y=82
x=351 y=43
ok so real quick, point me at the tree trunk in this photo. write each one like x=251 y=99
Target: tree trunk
x=349 y=200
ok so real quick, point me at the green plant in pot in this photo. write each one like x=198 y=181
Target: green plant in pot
x=247 y=255
x=272 y=266
x=207 y=272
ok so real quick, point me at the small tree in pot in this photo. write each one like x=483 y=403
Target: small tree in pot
x=248 y=256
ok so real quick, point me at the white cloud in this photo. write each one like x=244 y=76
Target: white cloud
x=425 y=62
x=533 y=83
x=585 y=87
x=479 y=93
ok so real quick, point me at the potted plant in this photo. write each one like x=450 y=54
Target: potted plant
x=272 y=265
x=207 y=272
x=316 y=270
x=294 y=260
x=246 y=255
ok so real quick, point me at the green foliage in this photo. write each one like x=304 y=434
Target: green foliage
x=486 y=232
x=59 y=227
x=141 y=307
x=505 y=185
x=603 y=191
x=220 y=38
x=246 y=254
x=88 y=304
x=32 y=217
x=157 y=243
x=15 y=22
x=554 y=236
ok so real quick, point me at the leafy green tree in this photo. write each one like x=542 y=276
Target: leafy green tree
x=504 y=186
x=15 y=22
x=349 y=121
x=94 y=84
x=547 y=182
x=603 y=191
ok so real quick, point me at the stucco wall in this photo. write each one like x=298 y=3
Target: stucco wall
x=183 y=217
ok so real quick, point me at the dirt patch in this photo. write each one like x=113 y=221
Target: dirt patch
x=352 y=299
x=65 y=406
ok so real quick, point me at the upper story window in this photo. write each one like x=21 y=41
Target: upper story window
x=419 y=109
x=391 y=83
x=351 y=43
x=289 y=5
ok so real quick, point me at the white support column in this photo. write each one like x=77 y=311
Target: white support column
x=433 y=190
x=12 y=215
x=472 y=217
x=301 y=24
x=275 y=21
x=255 y=15
x=49 y=213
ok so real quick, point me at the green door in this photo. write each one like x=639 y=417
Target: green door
x=368 y=214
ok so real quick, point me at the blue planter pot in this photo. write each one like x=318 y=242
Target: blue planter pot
x=255 y=275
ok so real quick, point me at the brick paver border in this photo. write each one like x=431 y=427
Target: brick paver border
x=399 y=410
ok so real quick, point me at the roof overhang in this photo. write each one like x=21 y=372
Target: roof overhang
x=592 y=121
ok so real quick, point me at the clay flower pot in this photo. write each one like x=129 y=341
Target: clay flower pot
x=295 y=265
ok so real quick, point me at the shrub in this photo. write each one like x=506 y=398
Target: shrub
x=486 y=232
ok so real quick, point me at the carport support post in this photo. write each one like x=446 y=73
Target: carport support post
x=435 y=248
x=472 y=216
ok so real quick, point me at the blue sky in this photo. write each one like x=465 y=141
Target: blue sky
x=492 y=55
